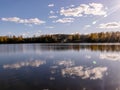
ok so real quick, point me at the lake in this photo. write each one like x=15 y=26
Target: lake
x=60 y=66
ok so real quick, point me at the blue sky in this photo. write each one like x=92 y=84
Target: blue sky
x=35 y=17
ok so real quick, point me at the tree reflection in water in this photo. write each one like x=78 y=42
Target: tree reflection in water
x=23 y=48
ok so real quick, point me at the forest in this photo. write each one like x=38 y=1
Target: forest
x=102 y=37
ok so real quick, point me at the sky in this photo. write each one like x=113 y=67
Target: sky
x=37 y=17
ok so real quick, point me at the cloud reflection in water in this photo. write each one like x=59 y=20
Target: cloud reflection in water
x=110 y=56
x=85 y=73
x=66 y=63
x=35 y=63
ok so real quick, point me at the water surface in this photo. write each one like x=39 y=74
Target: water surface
x=60 y=66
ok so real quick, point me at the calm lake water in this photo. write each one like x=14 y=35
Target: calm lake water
x=60 y=67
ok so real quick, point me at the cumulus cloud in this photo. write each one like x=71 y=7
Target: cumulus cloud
x=87 y=9
x=51 y=5
x=65 y=20
x=85 y=73
x=110 y=25
x=35 y=21
x=53 y=16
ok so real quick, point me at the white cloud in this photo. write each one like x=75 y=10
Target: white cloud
x=72 y=5
x=52 y=12
x=94 y=22
x=35 y=21
x=87 y=9
x=87 y=26
x=51 y=5
x=110 y=25
x=53 y=16
x=85 y=73
x=50 y=27
x=26 y=34
x=65 y=20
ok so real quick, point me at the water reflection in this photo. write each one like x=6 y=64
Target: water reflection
x=88 y=56
x=35 y=63
x=60 y=67
x=23 y=48
x=85 y=73
x=110 y=56
x=66 y=63
x=78 y=47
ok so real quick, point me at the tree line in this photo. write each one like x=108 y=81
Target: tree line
x=102 y=37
